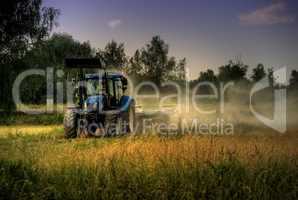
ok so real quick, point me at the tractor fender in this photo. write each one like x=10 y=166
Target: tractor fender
x=125 y=103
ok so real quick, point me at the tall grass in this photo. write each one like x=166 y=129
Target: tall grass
x=46 y=166
x=21 y=118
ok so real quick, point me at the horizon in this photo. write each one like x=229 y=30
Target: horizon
x=208 y=34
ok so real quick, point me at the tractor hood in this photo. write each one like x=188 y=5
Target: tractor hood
x=94 y=103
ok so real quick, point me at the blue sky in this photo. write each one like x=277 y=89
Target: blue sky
x=207 y=32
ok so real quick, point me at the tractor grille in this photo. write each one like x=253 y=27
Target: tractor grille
x=92 y=117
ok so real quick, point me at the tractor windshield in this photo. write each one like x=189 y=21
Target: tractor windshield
x=94 y=87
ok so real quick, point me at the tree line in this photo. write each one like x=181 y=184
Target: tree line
x=26 y=42
x=236 y=71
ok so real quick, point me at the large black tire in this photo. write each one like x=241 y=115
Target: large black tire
x=70 y=124
x=130 y=118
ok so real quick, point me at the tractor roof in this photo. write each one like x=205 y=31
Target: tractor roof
x=92 y=64
x=80 y=63
x=109 y=75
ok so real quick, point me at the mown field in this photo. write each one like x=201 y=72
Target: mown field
x=36 y=162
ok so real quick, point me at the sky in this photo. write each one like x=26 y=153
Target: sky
x=208 y=33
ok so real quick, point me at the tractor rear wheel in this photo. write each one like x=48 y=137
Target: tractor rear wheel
x=70 y=124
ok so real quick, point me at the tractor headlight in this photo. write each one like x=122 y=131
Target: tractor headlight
x=91 y=107
x=94 y=107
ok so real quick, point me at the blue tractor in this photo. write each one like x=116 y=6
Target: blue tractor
x=100 y=106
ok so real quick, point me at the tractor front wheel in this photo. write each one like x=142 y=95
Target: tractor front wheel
x=70 y=124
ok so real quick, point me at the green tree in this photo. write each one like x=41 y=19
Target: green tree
x=258 y=73
x=23 y=23
x=207 y=76
x=50 y=53
x=294 y=78
x=270 y=77
x=234 y=71
x=113 y=55
x=155 y=58
x=158 y=66
x=179 y=70
x=53 y=51
x=135 y=66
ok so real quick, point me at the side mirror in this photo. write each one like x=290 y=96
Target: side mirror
x=73 y=81
x=124 y=83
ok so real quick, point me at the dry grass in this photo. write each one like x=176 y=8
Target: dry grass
x=47 y=143
x=147 y=166
x=22 y=130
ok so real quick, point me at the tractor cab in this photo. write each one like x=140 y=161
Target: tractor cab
x=98 y=96
x=91 y=81
x=111 y=86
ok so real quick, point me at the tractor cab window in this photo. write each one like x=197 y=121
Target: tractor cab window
x=93 y=87
x=110 y=91
x=118 y=89
x=112 y=102
x=114 y=91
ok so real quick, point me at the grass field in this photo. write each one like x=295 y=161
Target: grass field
x=37 y=162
